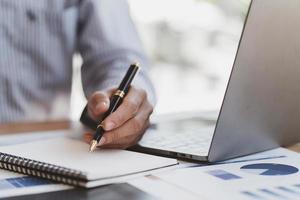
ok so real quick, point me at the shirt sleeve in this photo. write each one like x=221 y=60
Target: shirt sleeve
x=108 y=43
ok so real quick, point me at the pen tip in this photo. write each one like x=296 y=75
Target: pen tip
x=93 y=145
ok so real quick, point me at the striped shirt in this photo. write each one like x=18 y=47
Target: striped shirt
x=38 y=39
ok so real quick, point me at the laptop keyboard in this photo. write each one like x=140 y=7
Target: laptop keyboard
x=188 y=142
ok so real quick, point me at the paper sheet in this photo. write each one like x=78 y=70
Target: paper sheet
x=74 y=154
x=269 y=175
x=162 y=190
x=14 y=184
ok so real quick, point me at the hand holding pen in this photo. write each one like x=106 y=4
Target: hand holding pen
x=122 y=120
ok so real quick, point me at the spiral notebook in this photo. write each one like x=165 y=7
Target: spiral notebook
x=68 y=161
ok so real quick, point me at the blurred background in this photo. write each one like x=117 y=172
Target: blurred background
x=191 y=45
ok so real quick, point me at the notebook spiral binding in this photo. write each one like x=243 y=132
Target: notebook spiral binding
x=41 y=169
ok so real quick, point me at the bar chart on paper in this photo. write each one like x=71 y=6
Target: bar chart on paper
x=20 y=182
x=278 y=192
x=264 y=169
x=257 y=177
x=12 y=184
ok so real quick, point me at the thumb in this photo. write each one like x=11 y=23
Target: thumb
x=98 y=103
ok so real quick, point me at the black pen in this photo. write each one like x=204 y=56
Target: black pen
x=115 y=102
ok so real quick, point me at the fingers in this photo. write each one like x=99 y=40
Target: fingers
x=129 y=133
x=98 y=103
x=126 y=125
x=127 y=110
x=126 y=143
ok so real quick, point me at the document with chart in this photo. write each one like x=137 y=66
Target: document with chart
x=269 y=175
x=14 y=184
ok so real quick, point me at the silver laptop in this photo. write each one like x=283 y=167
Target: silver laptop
x=261 y=106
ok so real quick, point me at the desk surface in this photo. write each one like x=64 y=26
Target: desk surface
x=16 y=128
x=115 y=192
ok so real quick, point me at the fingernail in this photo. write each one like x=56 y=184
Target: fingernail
x=102 y=141
x=100 y=106
x=109 y=126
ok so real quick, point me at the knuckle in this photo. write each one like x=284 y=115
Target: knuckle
x=131 y=105
x=117 y=118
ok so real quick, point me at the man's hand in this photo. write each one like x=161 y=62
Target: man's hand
x=124 y=127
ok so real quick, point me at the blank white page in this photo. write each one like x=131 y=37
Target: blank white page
x=73 y=154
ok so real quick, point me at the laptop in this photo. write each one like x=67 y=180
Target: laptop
x=261 y=106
